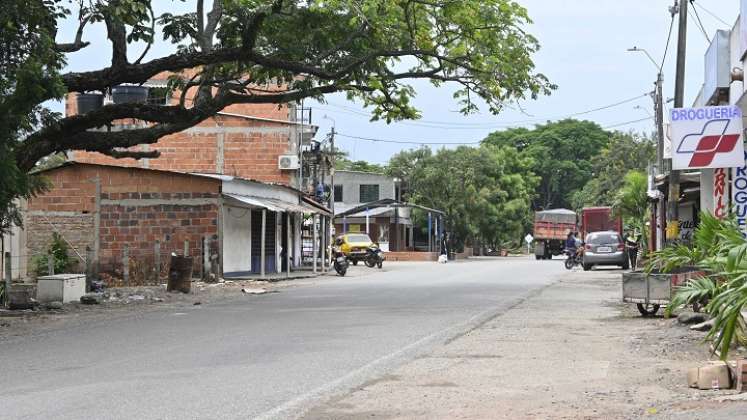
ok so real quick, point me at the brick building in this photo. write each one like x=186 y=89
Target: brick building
x=204 y=179
x=137 y=217
x=244 y=140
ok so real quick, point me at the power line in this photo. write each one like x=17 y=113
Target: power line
x=666 y=47
x=628 y=123
x=429 y=143
x=457 y=143
x=699 y=22
x=698 y=5
x=475 y=126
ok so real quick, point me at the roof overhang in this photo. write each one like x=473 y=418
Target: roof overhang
x=271 y=204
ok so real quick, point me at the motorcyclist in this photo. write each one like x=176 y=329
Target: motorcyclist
x=570 y=244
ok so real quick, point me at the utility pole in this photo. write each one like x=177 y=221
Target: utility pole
x=659 y=105
x=679 y=93
x=332 y=177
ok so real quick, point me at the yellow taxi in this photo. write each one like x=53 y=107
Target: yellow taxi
x=354 y=246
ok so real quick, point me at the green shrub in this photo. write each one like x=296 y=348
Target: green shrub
x=59 y=250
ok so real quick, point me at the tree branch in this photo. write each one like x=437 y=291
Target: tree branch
x=117 y=34
x=78 y=44
x=132 y=154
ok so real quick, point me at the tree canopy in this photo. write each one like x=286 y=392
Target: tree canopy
x=249 y=51
x=625 y=152
x=561 y=153
x=369 y=49
x=485 y=191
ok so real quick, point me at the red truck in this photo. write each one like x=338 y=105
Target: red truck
x=597 y=219
x=551 y=228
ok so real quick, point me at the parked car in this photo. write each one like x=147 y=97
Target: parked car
x=604 y=248
x=354 y=246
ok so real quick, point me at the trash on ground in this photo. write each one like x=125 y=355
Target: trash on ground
x=703 y=326
x=91 y=299
x=254 y=291
x=54 y=305
x=688 y=318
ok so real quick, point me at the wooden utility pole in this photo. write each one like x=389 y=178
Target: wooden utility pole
x=679 y=93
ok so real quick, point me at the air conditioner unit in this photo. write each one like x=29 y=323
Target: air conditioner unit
x=288 y=162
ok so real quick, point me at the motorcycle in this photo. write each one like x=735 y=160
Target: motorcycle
x=374 y=257
x=573 y=259
x=339 y=261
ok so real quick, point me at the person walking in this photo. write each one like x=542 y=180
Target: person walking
x=632 y=246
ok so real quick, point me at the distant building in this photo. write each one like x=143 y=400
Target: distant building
x=387 y=221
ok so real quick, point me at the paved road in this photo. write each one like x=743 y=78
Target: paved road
x=270 y=356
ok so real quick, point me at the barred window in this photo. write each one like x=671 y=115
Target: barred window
x=369 y=192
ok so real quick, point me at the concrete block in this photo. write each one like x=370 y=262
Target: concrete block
x=714 y=375
x=741 y=375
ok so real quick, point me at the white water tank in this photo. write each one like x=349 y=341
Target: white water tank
x=63 y=288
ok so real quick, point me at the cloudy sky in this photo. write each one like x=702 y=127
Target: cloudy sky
x=584 y=45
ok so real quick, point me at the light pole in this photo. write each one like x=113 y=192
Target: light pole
x=657 y=233
x=659 y=108
x=331 y=178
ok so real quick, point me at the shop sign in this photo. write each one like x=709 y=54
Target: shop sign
x=709 y=137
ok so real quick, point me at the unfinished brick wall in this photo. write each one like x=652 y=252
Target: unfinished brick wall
x=139 y=227
x=137 y=208
x=228 y=145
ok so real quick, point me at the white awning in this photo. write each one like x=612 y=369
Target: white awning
x=271 y=204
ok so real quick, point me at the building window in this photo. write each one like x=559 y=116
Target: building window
x=338 y=193
x=369 y=192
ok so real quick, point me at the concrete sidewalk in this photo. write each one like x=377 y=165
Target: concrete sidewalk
x=570 y=351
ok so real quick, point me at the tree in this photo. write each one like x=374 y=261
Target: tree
x=28 y=76
x=624 y=153
x=251 y=51
x=562 y=152
x=402 y=166
x=485 y=191
x=342 y=163
x=631 y=202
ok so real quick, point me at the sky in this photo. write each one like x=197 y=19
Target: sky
x=583 y=50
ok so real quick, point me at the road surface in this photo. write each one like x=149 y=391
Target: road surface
x=268 y=356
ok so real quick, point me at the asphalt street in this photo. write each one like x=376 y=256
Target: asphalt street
x=267 y=356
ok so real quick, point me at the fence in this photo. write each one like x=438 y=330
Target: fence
x=123 y=267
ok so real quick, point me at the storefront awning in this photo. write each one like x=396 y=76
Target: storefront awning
x=271 y=204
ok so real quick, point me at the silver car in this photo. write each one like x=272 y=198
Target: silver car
x=604 y=248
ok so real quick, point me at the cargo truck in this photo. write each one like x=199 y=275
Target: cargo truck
x=599 y=219
x=551 y=228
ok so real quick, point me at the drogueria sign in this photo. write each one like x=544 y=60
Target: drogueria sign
x=709 y=137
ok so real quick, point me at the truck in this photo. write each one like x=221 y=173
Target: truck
x=598 y=219
x=551 y=228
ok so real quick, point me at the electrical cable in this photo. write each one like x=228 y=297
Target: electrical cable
x=666 y=47
x=433 y=143
x=628 y=123
x=698 y=5
x=456 y=143
x=465 y=126
x=699 y=22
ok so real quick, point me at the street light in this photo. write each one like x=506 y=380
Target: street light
x=636 y=49
x=332 y=174
x=658 y=107
x=644 y=110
